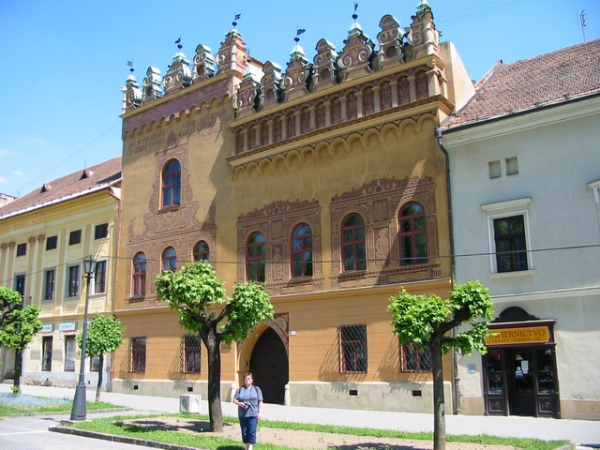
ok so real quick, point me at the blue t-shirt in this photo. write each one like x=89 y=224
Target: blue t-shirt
x=251 y=397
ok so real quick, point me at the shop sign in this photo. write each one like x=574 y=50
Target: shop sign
x=46 y=328
x=66 y=326
x=521 y=335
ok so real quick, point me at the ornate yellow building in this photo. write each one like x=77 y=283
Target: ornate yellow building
x=324 y=181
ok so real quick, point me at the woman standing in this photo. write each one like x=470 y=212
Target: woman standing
x=249 y=399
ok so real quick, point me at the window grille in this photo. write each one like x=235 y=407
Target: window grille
x=415 y=358
x=137 y=353
x=190 y=353
x=353 y=348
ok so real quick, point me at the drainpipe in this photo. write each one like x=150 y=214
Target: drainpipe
x=456 y=390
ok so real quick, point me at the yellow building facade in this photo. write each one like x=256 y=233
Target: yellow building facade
x=44 y=237
x=324 y=182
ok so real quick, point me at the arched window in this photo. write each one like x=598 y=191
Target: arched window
x=255 y=257
x=201 y=251
x=171 y=183
x=169 y=259
x=139 y=275
x=413 y=234
x=302 y=262
x=354 y=251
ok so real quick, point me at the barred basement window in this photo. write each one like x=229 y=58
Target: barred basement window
x=415 y=358
x=190 y=353
x=353 y=348
x=137 y=354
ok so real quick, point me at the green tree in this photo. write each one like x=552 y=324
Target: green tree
x=427 y=320
x=18 y=326
x=200 y=298
x=104 y=335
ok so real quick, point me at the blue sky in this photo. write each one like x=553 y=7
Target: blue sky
x=63 y=62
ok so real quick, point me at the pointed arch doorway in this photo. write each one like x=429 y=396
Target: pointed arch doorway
x=270 y=366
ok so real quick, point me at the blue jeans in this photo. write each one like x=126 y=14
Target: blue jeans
x=248 y=425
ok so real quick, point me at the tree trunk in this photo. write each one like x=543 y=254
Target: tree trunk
x=18 y=370
x=212 y=340
x=439 y=418
x=100 y=370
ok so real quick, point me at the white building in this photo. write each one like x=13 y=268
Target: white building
x=525 y=177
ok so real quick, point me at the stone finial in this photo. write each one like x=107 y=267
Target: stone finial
x=133 y=94
x=271 y=88
x=424 y=37
x=204 y=64
x=390 y=42
x=179 y=75
x=152 y=85
x=325 y=66
x=298 y=77
x=232 y=54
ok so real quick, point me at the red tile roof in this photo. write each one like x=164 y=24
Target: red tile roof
x=551 y=78
x=73 y=185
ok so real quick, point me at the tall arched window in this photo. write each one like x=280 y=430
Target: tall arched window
x=171 y=183
x=302 y=262
x=354 y=252
x=413 y=234
x=139 y=275
x=255 y=257
x=201 y=251
x=169 y=259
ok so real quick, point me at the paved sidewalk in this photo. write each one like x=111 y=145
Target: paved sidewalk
x=582 y=432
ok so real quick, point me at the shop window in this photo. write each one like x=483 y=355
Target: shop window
x=413 y=234
x=302 y=265
x=255 y=257
x=139 y=275
x=201 y=251
x=190 y=353
x=47 y=354
x=353 y=348
x=137 y=354
x=171 y=184
x=70 y=353
x=353 y=243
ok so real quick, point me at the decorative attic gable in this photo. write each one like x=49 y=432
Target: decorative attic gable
x=358 y=54
x=232 y=54
x=271 y=85
x=425 y=38
x=298 y=77
x=249 y=91
x=204 y=64
x=179 y=75
x=390 y=42
x=325 y=65
x=133 y=94
x=152 y=85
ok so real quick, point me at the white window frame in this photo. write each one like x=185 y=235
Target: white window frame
x=499 y=210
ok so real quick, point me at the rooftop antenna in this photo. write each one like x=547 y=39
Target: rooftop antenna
x=178 y=42
x=583 y=24
x=236 y=17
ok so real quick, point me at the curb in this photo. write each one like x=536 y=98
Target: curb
x=121 y=439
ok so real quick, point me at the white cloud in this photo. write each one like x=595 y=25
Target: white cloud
x=3 y=180
x=18 y=173
x=6 y=153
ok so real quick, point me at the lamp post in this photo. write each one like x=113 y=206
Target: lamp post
x=78 y=411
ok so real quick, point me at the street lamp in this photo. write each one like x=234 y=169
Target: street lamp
x=78 y=411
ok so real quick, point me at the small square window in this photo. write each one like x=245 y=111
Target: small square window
x=495 y=169
x=512 y=168
x=51 y=242
x=75 y=237
x=22 y=249
x=101 y=231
